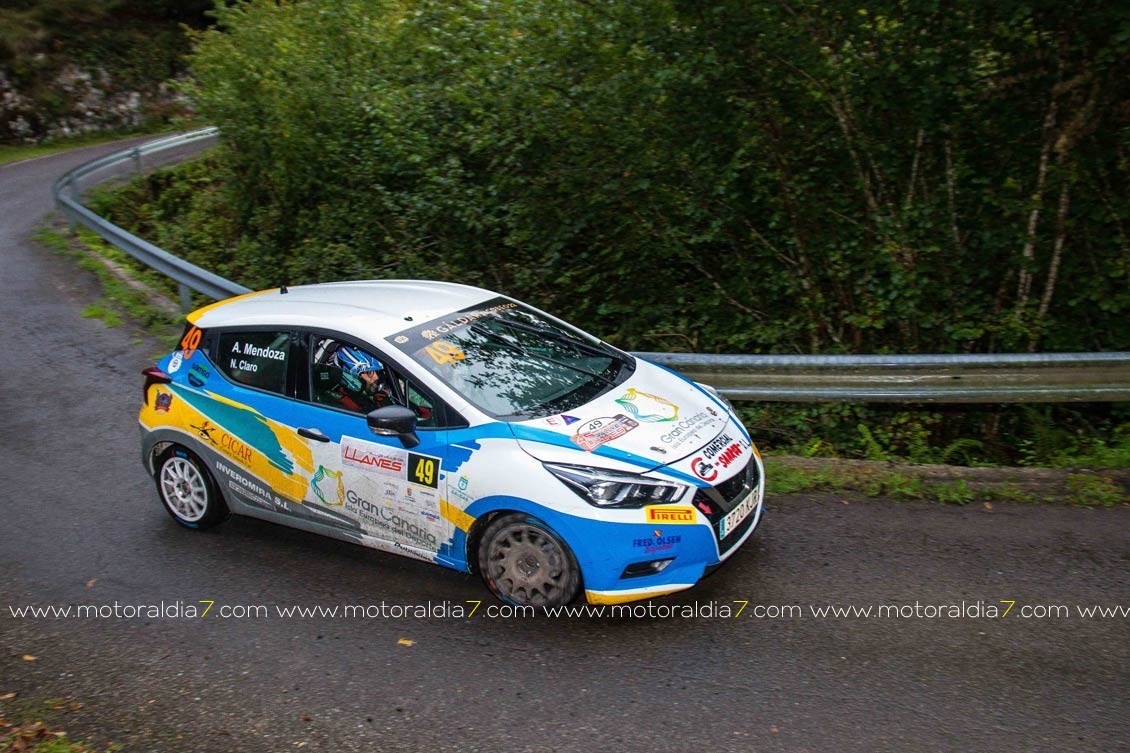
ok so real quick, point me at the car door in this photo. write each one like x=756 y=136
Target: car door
x=241 y=417
x=389 y=493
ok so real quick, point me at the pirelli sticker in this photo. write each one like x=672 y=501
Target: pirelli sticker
x=670 y=515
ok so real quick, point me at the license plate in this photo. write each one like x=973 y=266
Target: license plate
x=734 y=518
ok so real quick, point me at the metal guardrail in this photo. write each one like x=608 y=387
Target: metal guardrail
x=982 y=378
x=68 y=197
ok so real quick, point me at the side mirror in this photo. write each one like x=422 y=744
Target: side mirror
x=395 y=421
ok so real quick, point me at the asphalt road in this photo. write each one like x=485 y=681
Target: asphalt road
x=80 y=524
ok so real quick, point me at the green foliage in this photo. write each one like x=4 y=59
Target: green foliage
x=1095 y=491
x=952 y=492
x=807 y=177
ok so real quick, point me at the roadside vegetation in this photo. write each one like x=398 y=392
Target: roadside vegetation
x=74 y=67
x=31 y=725
x=725 y=177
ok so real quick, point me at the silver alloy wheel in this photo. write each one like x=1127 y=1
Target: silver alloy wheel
x=184 y=490
x=527 y=565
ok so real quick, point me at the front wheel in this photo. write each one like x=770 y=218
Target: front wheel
x=188 y=491
x=523 y=562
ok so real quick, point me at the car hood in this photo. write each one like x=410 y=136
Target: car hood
x=654 y=420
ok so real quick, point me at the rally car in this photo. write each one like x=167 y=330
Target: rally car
x=454 y=425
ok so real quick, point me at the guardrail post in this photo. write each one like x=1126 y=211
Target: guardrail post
x=136 y=154
x=185 y=298
x=78 y=200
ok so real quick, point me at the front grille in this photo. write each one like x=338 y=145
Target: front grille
x=716 y=501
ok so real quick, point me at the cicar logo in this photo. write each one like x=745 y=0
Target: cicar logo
x=670 y=515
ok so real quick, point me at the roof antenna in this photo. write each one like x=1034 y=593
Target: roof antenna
x=282 y=288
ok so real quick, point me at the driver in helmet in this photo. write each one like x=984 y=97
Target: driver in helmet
x=362 y=385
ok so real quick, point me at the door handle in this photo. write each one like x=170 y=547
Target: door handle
x=313 y=434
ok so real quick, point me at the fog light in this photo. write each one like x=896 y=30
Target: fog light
x=651 y=567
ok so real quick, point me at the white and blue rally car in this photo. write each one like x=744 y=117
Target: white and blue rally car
x=455 y=425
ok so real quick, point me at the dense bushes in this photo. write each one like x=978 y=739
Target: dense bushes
x=724 y=176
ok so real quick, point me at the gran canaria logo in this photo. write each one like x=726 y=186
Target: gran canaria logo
x=647 y=407
x=321 y=475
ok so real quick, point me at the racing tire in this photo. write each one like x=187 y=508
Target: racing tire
x=188 y=491
x=523 y=562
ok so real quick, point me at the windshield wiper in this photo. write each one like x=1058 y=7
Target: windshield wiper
x=497 y=338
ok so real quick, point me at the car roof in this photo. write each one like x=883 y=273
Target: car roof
x=372 y=309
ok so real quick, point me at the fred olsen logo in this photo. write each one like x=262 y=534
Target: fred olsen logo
x=656 y=543
x=670 y=515
x=703 y=469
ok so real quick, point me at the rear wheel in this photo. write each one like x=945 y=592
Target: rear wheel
x=188 y=491
x=523 y=562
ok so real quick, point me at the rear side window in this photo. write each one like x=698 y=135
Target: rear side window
x=256 y=359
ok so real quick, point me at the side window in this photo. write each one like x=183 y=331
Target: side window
x=256 y=359
x=348 y=377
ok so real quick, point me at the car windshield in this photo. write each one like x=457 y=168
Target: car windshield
x=513 y=363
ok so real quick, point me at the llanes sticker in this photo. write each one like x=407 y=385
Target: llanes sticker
x=376 y=458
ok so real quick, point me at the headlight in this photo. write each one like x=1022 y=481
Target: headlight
x=722 y=398
x=604 y=488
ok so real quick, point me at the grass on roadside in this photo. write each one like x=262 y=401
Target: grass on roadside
x=1080 y=489
x=119 y=298
x=31 y=725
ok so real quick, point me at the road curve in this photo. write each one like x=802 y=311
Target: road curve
x=80 y=524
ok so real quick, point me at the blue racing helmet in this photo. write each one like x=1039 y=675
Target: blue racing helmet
x=356 y=361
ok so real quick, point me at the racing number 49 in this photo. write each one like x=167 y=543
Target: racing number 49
x=425 y=472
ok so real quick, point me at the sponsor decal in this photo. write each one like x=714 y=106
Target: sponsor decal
x=647 y=407
x=239 y=483
x=656 y=543
x=660 y=450
x=602 y=430
x=205 y=431
x=199 y=375
x=175 y=362
x=463 y=483
x=388 y=519
x=234 y=447
x=320 y=476
x=373 y=457
x=163 y=402
x=703 y=469
x=562 y=420
x=419 y=336
x=688 y=429
x=723 y=450
x=670 y=514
